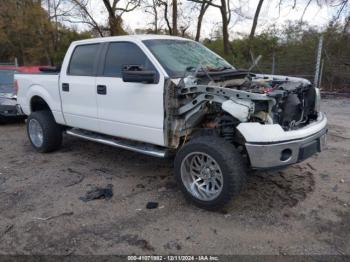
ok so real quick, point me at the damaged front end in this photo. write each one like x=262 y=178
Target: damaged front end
x=238 y=106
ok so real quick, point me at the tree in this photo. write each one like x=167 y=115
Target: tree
x=225 y=11
x=114 y=10
x=203 y=8
x=346 y=24
x=165 y=5
x=152 y=7
x=115 y=20
x=255 y=20
x=174 y=17
x=173 y=25
x=23 y=22
x=26 y=33
x=82 y=15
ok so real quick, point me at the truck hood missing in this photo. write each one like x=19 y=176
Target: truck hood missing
x=267 y=99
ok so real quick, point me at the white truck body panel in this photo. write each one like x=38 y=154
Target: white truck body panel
x=79 y=105
x=258 y=133
x=239 y=109
x=132 y=110
x=41 y=85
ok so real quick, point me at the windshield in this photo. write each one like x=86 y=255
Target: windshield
x=6 y=81
x=179 y=56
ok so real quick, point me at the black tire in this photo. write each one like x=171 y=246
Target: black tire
x=52 y=132
x=230 y=161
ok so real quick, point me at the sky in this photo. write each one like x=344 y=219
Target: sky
x=269 y=15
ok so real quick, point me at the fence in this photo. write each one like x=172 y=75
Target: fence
x=13 y=63
x=334 y=70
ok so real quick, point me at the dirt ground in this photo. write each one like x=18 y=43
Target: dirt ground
x=304 y=209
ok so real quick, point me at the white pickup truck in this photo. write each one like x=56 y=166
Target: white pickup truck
x=164 y=96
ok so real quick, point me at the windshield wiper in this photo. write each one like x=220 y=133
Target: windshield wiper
x=221 y=68
x=208 y=69
x=190 y=68
x=199 y=68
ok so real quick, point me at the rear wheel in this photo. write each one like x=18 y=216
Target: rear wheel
x=210 y=171
x=43 y=132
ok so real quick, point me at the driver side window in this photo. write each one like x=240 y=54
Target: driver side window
x=120 y=54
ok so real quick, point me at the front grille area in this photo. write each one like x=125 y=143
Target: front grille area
x=296 y=109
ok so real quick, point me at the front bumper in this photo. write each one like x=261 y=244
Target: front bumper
x=282 y=148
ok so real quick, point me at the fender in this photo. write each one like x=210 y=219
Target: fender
x=54 y=104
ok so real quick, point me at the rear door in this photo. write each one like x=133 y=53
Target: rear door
x=129 y=110
x=78 y=88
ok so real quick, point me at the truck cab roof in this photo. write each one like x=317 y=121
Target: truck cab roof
x=133 y=38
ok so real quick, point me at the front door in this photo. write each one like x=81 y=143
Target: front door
x=129 y=110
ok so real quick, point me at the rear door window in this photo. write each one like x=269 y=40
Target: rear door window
x=120 y=54
x=83 y=60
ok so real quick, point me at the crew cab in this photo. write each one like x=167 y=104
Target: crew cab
x=169 y=96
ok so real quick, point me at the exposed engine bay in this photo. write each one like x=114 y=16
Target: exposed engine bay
x=220 y=100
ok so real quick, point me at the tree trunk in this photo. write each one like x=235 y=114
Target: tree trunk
x=255 y=21
x=115 y=26
x=202 y=11
x=155 y=10
x=174 y=17
x=225 y=33
x=346 y=24
x=114 y=21
x=166 y=17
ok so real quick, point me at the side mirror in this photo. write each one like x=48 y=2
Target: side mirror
x=136 y=74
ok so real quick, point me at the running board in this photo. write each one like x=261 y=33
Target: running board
x=142 y=148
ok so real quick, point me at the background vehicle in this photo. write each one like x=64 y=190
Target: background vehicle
x=8 y=102
x=163 y=95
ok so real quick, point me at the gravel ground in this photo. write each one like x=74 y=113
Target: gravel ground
x=304 y=209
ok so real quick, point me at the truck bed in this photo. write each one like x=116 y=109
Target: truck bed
x=44 y=85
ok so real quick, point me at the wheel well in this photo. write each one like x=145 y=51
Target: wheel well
x=38 y=104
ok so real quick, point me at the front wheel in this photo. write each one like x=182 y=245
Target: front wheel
x=44 y=133
x=210 y=171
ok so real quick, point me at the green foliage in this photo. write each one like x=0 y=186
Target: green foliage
x=66 y=36
x=27 y=33
x=294 y=50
